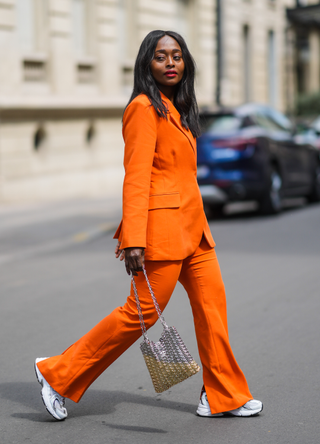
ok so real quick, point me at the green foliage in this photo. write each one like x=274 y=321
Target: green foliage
x=308 y=104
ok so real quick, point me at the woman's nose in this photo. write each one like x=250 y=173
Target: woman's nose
x=170 y=62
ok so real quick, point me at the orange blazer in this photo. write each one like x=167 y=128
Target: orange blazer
x=162 y=205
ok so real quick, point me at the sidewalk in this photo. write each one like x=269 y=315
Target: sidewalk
x=28 y=230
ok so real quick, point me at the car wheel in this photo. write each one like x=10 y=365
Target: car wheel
x=272 y=202
x=314 y=196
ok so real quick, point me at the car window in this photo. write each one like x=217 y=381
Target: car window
x=248 y=121
x=218 y=124
x=303 y=128
x=316 y=124
x=279 y=119
x=265 y=122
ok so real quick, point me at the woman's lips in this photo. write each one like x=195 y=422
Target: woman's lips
x=170 y=73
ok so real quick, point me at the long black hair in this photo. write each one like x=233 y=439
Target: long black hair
x=144 y=83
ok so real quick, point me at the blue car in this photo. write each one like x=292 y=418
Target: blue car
x=252 y=153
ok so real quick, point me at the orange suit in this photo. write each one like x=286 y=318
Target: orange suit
x=163 y=213
x=162 y=204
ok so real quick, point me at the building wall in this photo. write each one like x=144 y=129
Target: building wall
x=260 y=76
x=67 y=70
x=307 y=53
x=308 y=2
x=65 y=77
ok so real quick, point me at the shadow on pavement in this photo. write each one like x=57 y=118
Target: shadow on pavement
x=95 y=402
x=134 y=428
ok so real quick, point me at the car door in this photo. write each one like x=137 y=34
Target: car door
x=279 y=147
x=297 y=155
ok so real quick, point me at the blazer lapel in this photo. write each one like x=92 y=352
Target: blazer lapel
x=175 y=119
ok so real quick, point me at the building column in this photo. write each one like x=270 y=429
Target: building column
x=10 y=69
x=290 y=77
x=110 y=75
x=314 y=41
x=204 y=50
x=62 y=68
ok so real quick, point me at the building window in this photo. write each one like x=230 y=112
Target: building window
x=32 y=37
x=80 y=28
x=182 y=25
x=272 y=75
x=246 y=63
x=127 y=40
x=303 y=59
x=34 y=70
x=26 y=25
x=32 y=25
x=85 y=63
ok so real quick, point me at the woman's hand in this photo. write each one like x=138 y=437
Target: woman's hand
x=134 y=260
x=118 y=252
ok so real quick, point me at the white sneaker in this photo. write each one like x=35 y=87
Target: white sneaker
x=54 y=403
x=251 y=408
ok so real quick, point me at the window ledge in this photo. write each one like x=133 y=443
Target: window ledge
x=128 y=64
x=39 y=57
x=86 y=61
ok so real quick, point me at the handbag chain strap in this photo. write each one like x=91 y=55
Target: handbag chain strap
x=155 y=302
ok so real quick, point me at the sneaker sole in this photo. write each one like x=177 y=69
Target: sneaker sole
x=250 y=413
x=40 y=380
x=219 y=415
x=202 y=412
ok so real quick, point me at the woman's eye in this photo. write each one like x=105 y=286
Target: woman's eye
x=177 y=58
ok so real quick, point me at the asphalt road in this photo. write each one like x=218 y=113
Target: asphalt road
x=58 y=278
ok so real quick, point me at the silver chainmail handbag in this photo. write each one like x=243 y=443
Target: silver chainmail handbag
x=168 y=360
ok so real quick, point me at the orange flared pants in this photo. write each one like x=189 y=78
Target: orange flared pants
x=72 y=372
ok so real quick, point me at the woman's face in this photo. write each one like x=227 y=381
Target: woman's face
x=167 y=66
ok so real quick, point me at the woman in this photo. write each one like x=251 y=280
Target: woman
x=164 y=228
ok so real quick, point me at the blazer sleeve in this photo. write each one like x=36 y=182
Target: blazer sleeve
x=140 y=136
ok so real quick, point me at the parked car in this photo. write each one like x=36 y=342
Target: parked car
x=306 y=133
x=250 y=153
x=316 y=125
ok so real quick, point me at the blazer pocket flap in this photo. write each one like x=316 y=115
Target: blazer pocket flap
x=170 y=200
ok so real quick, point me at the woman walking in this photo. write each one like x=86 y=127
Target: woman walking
x=165 y=229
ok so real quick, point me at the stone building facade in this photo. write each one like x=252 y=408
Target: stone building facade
x=304 y=37
x=65 y=77
x=253 y=51
x=263 y=58
x=66 y=74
